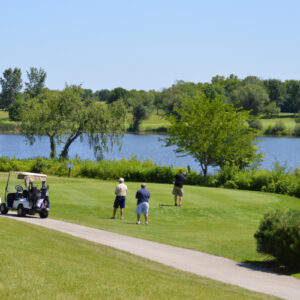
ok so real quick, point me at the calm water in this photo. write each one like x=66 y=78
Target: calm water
x=285 y=150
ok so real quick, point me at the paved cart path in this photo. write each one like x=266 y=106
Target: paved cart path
x=203 y=264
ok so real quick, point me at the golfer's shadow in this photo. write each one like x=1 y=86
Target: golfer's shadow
x=162 y=205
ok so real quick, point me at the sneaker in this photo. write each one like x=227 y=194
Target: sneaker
x=121 y=218
x=175 y=204
x=146 y=223
x=138 y=222
x=112 y=217
x=180 y=205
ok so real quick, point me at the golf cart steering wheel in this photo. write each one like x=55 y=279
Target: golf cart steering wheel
x=19 y=189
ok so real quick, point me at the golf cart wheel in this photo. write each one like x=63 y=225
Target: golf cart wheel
x=44 y=213
x=21 y=211
x=3 y=209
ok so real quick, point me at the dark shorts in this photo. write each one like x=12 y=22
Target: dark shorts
x=119 y=202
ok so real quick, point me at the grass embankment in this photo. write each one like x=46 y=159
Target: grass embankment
x=37 y=263
x=288 y=122
x=213 y=220
x=157 y=123
x=7 y=126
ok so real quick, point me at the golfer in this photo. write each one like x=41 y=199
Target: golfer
x=120 y=192
x=142 y=207
x=178 y=187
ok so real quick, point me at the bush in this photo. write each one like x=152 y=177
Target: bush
x=279 y=129
x=279 y=180
x=297 y=130
x=257 y=124
x=279 y=235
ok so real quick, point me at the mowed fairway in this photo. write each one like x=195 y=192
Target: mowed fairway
x=213 y=220
x=37 y=263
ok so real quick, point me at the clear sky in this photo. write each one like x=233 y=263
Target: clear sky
x=139 y=44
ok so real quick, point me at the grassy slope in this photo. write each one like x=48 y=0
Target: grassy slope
x=155 y=122
x=288 y=122
x=6 y=125
x=217 y=221
x=37 y=263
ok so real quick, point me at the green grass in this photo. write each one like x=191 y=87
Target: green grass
x=158 y=122
x=37 y=263
x=213 y=220
x=154 y=123
x=7 y=126
x=288 y=122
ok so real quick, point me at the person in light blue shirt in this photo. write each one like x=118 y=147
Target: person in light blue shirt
x=142 y=207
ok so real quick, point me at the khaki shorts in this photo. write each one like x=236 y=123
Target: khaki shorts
x=177 y=191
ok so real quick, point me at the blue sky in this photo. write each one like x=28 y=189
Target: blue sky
x=150 y=44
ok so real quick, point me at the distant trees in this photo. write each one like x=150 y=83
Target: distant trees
x=262 y=97
x=11 y=84
x=251 y=96
x=141 y=106
x=117 y=94
x=292 y=103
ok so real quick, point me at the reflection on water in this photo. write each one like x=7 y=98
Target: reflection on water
x=285 y=150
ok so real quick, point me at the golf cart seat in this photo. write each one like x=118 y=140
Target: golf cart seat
x=10 y=199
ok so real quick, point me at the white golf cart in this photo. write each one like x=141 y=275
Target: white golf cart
x=26 y=198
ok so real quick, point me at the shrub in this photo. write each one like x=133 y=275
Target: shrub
x=269 y=130
x=243 y=180
x=278 y=129
x=297 y=130
x=279 y=235
x=227 y=173
x=260 y=180
x=257 y=124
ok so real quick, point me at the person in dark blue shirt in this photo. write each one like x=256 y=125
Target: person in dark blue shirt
x=178 y=187
x=142 y=207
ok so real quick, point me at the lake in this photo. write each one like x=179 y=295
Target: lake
x=285 y=149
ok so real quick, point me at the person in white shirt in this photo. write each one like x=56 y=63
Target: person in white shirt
x=120 y=192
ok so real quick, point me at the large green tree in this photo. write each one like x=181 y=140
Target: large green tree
x=64 y=116
x=11 y=83
x=213 y=132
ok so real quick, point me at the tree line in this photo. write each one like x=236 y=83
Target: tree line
x=260 y=96
x=207 y=120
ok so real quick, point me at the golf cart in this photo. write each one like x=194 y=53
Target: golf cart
x=26 y=198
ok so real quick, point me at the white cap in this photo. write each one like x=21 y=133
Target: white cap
x=121 y=179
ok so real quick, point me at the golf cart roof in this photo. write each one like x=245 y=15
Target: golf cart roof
x=29 y=176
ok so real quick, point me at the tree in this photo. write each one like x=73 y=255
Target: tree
x=292 y=103
x=117 y=94
x=36 y=82
x=141 y=106
x=64 y=116
x=213 y=132
x=172 y=96
x=272 y=109
x=231 y=83
x=102 y=95
x=251 y=97
x=11 y=86
x=276 y=91
x=16 y=108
